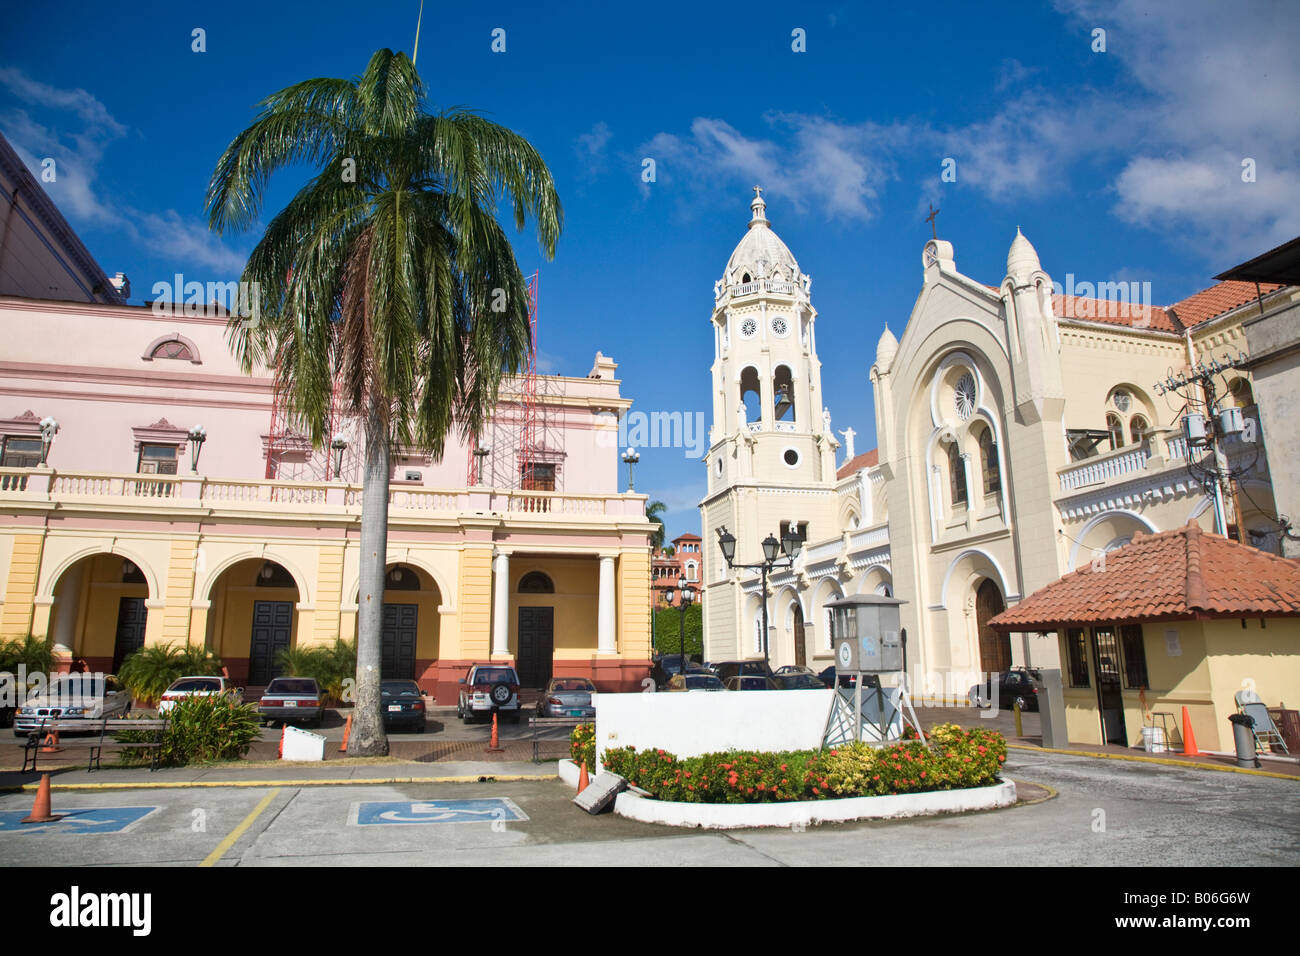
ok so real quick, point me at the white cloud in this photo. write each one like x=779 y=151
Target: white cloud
x=590 y=148
x=80 y=129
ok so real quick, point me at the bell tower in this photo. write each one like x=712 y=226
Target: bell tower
x=771 y=458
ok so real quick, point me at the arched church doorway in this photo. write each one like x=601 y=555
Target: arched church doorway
x=995 y=648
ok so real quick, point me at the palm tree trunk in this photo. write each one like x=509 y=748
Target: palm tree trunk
x=368 y=738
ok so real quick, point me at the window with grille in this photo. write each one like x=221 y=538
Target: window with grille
x=157 y=460
x=173 y=350
x=1135 y=657
x=1078 y=655
x=1116 y=429
x=537 y=477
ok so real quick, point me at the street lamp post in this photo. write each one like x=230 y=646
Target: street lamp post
x=480 y=453
x=198 y=435
x=339 y=446
x=49 y=428
x=790 y=544
x=631 y=457
x=685 y=597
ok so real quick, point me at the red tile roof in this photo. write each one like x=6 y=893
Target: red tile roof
x=1216 y=300
x=1135 y=315
x=868 y=459
x=1181 y=574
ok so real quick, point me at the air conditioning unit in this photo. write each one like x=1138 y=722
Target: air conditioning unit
x=414 y=476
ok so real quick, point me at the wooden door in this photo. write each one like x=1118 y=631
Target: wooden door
x=397 y=654
x=272 y=631
x=995 y=648
x=800 y=653
x=536 y=646
x=131 y=616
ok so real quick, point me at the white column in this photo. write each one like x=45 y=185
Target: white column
x=605 y=614
x=501 y=605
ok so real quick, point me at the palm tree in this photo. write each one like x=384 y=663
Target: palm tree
x=653 y=511
x=388 y=277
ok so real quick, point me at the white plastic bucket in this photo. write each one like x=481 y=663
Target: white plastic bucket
x=302 y=745
x=1153 y=740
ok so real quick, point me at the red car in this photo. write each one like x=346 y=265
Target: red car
x=486 y=689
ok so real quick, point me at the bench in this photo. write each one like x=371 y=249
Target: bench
x=106 y=727
x=536 y=723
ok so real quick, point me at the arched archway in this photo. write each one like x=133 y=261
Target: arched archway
x=411 y=625
x=99 y=610
x=252 y=618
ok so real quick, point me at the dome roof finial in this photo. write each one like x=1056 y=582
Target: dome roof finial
x=1022 y=258
x=759 y=207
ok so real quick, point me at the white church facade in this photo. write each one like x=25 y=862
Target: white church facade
x=1018 y=435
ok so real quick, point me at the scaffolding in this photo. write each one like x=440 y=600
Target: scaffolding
x=289 y=452
x=525 y=450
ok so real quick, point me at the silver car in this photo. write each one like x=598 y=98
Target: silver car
x=72 y=697
x=196 y=686
x=567 y=697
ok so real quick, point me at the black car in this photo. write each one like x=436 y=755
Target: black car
x=827 y=677
x=670 y=665
x=728 y=669
x=402 y=704
x=1013 y=685
x=798 y=681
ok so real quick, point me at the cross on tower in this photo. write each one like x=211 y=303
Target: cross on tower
x=930 y=219
x=758 y=192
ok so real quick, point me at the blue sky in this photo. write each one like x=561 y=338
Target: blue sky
x=1118 y=164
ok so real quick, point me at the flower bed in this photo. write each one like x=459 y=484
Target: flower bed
x=954 y=759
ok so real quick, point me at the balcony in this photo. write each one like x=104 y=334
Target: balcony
x=47 y=489
x=776 y=286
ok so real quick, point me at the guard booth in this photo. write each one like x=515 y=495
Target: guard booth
x=868 y=644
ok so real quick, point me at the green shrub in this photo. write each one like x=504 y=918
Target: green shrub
x=960 y=759
x=200 y=729
x=34 y=653
x=151 y=669
x=582 y=746
x=331 y=666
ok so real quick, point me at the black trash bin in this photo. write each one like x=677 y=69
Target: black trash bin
x=1243 y=735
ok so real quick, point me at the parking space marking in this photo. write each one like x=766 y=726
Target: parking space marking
x=239 y=831
x=79 y=821
x=417 y=812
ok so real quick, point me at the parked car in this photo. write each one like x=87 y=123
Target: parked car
x=827 y=677
x=669 y=665
x=402 y=704
x=794 y=669
x=1014 y=685
x=567 y=697
x=292 y=700
x=195 y=687
x=798 y=681
x=72 y=697
x=750 y=682
x=728 y=669
x=486 y=688
x=694 y=680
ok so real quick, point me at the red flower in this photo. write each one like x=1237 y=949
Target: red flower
x=965 y=759
x=782 y=766
x=688 y=773
x=784 y=781
x=815 y=790
x=922 y=774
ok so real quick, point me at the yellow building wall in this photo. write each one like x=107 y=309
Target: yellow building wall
x=1266 y=658
x=20 y=586
x=329 y=595
x=231 y=619
x=180 y=592
x=473 y=637
x=575 y=602
x=633 y=600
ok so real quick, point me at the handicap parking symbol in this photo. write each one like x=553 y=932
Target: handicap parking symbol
x=78 y=821
x=405 y=812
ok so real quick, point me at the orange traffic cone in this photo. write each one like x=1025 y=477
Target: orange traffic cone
x=283 y=730
x=41 y=808
x=1189 y=738
x=494 y=745
x=50 y=745
x=583 y=782
x=347 y=732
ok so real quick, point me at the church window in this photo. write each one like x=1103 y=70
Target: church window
x=964 y=399
x=1116 y=429
x=535 y=582
x=1137 y=425
x=783 y=394
x=173 y=350
x=749 y=327
x=956 y=475
x=749 y=395
x=791 y=457
x=989 y=462
x=780 y=327
x=1121 y=400
x=717 y=466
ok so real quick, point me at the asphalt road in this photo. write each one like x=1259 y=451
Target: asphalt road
x=1106 y=813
